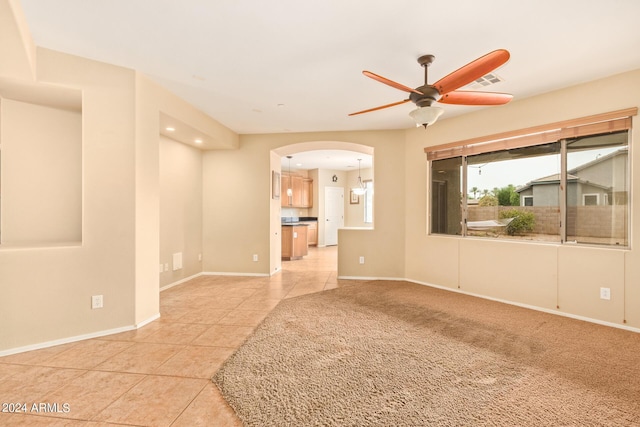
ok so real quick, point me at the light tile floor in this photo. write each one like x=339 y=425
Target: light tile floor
x=160 y=374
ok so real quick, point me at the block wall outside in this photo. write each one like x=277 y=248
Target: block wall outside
x=590 y=221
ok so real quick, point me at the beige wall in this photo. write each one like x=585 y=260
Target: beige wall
x=180 y=209
x=45 y=290
x=17 y=49
x=540 y=275
x=42 y=175
x=237 y=204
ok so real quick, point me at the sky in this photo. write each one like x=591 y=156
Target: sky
x=521 y=171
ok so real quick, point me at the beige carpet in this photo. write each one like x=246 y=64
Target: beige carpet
x=400 y=354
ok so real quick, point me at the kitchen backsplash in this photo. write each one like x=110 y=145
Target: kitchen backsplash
x=287 y=212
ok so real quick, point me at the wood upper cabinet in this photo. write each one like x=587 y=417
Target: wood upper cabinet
x=307 y=193
x=302 y=191
x=285 y=200
x=296 y=184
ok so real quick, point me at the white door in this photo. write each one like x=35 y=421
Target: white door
x=333 y=214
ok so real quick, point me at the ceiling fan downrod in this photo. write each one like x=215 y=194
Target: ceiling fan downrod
x=428 y=94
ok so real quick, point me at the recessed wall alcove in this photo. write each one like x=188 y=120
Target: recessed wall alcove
x=40 y=165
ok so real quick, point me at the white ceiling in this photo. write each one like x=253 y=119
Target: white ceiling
x=327 y=159
x=295 y=65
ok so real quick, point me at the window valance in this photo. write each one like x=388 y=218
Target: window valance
x=600 y=123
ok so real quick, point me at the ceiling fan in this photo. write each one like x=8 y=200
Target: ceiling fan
x=445 y=90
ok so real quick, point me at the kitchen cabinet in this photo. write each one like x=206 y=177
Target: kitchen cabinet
x=302 y=191
x=294 y=241
x=312 y=233
x=307 y=193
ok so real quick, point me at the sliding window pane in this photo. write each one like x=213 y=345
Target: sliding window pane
x=597 y=189
x=515 y=193
x=446 y=196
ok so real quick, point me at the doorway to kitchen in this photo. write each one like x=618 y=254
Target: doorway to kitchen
x=320 y=165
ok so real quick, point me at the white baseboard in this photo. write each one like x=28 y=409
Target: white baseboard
x=147 y=321
x=530 y=307
x=227 y=273
x=186 y=279
x=98 y=334
x=76 y=338
x=393 y=279
x=211 y=273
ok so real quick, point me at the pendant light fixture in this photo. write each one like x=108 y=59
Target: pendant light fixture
x=289 y=189
x=360 y=189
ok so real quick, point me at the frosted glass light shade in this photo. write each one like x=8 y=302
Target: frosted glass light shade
x=425 y=116
x=359 y=190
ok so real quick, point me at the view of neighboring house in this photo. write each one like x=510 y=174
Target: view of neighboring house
x=599 y=182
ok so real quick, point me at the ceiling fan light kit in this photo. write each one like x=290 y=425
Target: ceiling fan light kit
x=445 y=90
x=425 y=116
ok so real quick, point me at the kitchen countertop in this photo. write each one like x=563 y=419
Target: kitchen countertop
x=294 y=220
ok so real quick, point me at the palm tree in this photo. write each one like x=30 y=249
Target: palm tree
x=474 y=190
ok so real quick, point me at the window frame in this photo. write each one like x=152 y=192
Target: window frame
x=368 y=201
x=584 y=198
x=560 y=132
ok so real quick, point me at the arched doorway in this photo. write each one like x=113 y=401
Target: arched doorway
x=327 y=178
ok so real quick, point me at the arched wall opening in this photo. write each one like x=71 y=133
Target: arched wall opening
x=323 y=177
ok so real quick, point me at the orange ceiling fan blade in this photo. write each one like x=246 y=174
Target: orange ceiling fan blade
x=391 y=83
x=472 y=71
x=475 y=98
x=380 y=108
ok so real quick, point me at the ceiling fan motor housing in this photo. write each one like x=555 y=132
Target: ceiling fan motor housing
x=429 y=95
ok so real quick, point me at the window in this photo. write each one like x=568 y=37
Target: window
x=598 y=171
x=590 y=199
x=446 y=196
x=368 y=202
x=566 y=183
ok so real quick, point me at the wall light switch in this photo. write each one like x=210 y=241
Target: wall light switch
x=177 y=261
x=255 y=257
x=361 y=260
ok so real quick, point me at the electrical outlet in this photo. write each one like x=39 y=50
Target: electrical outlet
x=199 y=257
x=97 y=301
x=255 y=257
x=605 y=293
x=361 y=260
